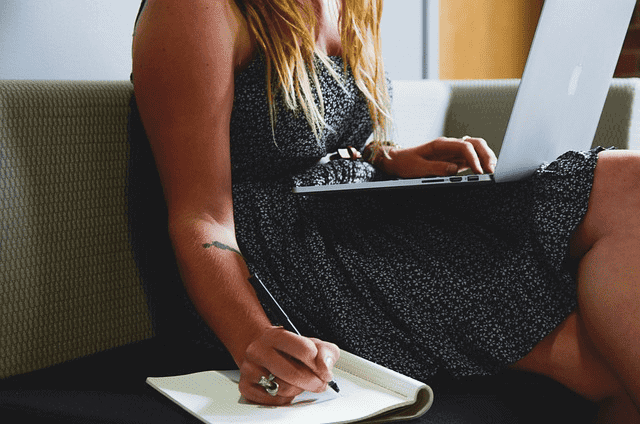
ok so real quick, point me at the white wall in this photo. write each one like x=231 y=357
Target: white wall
x=402 y=38
x=91 y=39
x=410 y=38
x=66 y=39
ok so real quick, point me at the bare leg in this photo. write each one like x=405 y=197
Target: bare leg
x=609 y=303
x=617 y=410
x=596 y=352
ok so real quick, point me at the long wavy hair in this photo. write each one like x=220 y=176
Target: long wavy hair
x=285 y=32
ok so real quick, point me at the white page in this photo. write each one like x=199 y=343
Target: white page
x=213 y=396
x=219 y=400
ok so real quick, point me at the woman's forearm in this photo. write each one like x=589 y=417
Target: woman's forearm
x=216 y=278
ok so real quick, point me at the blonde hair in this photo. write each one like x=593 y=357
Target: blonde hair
x=285 y=32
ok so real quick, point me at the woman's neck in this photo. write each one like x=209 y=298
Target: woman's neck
x=328 y=31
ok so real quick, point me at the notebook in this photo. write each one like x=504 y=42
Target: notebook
x=368 y=393
x=560 y=97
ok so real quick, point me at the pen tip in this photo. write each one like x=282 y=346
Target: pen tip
x=334 y=386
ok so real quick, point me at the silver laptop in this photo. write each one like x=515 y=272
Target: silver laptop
x=560 y=98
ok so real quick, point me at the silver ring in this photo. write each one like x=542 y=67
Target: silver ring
x=465 y=138
x=269 y=384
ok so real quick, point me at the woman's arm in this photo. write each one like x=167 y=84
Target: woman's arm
x=183 y=64
x=185 y=56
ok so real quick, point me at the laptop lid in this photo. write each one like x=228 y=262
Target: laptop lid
x=565 y=83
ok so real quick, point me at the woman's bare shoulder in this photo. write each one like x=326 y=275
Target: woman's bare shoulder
x=214 y=25
x=186 y=55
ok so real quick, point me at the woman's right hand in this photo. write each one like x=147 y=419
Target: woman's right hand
x=298 y=363
x=440 y=157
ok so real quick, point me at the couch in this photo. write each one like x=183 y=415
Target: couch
x=79 y=331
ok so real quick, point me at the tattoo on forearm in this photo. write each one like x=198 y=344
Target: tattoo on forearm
x=222 y=246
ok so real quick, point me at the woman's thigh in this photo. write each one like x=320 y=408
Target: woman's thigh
x=614 y=203
x=567 y=354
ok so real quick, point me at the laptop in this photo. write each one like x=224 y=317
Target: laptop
x=560 y=97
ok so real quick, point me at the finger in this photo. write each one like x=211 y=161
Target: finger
x=437 y=168
x=487 y=157
x=257 y=394
x=454 y=151
x=468 y=149
x=426 y=160
x=328 y=355
x=251 y=389
x=288 y=356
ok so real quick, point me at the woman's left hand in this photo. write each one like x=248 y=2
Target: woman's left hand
x=440 y=157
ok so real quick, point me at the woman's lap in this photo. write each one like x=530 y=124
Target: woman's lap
x=420 y=252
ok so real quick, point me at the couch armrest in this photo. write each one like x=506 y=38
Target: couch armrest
x=620 y=121
x=69 y=285
x=482 y=108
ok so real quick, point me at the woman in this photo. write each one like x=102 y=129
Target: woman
x=240 y=100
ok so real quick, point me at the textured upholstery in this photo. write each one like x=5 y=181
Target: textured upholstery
x=483 y=107
x=69 y=285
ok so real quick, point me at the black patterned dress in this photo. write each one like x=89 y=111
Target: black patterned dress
x=466 y=281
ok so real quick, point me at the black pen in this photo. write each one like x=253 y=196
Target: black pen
x=257 y=284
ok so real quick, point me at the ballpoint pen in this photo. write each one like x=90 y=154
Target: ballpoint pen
x=258 y=285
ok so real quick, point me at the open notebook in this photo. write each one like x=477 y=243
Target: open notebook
x=368 y=393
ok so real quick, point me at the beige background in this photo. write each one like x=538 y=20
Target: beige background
x=486 y=39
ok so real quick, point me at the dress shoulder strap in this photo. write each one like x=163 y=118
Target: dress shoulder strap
x=142 y=5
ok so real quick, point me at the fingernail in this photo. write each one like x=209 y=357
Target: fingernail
x=329 y=361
